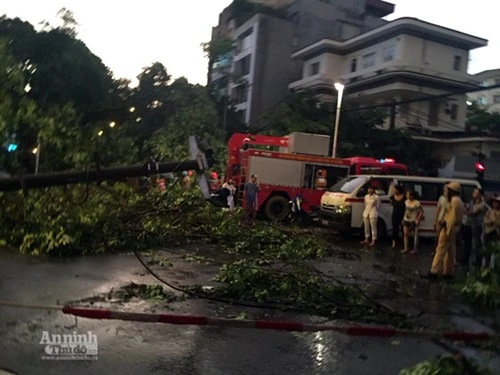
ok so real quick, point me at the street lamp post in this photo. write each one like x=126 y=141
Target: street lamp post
x=340 y=90
x=36 y=151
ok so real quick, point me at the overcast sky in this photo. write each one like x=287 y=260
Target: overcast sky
x=129 y=35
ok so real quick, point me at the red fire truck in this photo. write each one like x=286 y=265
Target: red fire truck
x=289 y=166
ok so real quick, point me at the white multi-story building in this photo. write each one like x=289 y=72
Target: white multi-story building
x=488 y=99
x=261 y=68
x=403 y=60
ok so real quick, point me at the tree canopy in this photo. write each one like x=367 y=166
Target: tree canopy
x=480 y=119
x=59 y=99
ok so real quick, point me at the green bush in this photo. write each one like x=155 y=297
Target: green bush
x=446 y=365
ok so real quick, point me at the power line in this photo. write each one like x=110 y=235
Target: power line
x=394 y=103
x=424 y=116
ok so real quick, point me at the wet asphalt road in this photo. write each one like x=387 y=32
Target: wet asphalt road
x=141 y=348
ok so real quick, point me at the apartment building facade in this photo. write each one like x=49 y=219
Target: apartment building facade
x=400 y=61
x=260 y=67
x=488 y=99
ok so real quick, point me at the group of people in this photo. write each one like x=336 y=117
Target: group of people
x=475 y=223
x=251 y=190
x=407 y=214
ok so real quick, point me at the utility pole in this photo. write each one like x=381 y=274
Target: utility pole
x=201 y=154
x=37 y=158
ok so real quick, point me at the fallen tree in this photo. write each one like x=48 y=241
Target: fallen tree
x=270 y=265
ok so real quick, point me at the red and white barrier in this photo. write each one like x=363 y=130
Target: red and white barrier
x=351 y=330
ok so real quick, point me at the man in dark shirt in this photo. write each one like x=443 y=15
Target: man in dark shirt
x=251 y=190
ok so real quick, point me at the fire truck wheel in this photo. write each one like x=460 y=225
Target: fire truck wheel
x=276 y=208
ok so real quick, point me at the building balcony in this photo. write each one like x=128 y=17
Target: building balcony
x=460 y=80
x=313 y=82
x=410 y=76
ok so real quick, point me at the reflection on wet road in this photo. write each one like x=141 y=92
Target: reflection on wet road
x=139 y=348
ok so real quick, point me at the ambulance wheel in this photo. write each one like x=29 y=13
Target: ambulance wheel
x=276 y=208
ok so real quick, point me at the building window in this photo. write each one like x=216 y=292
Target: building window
x=457 y=63
x=454 y=111
x=240 y=93
x=243 y=41
x=242 y=116
x=314 y=69
x=496 y=99
x=242 y=66
x=389 y=53
x=369 y=60
x=354 y=65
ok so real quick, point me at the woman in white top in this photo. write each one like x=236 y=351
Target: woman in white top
x=229 y=185
x=370 y=215
x=412 y=218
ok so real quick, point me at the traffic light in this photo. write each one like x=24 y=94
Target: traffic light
x=479 y=171
x=11 y=147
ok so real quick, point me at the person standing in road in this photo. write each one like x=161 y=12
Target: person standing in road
x=444 y=259
x=411 y=221
x=229 y=185
x=440 y=209
x=370 y=216
x=472 y=228
x=251 y=190
x=398 y=212
x=491 y=230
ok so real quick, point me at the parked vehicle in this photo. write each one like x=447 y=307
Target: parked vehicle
x=363 y=165
x=296 y=213
x=342 y=205
x=297 y=164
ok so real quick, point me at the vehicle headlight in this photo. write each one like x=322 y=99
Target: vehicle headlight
x=344 y=209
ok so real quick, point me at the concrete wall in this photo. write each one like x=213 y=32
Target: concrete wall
x=330 y=65
x=433 y=56
x=417 y=114
x=272 y=65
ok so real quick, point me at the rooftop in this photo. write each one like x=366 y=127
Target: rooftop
x=405 y=25
x=379 y=8
x=491 y=73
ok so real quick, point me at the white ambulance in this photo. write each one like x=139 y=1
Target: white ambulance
x=343 y=204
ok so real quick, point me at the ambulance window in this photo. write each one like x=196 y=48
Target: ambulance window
x=381 y=186
x=425 y=191
x=347 y=185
